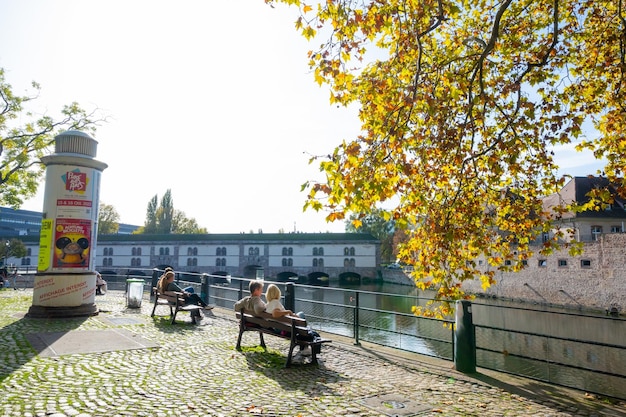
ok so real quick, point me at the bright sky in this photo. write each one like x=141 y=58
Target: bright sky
x=211 y=99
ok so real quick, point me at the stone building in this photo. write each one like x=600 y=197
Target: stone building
x=595 y=279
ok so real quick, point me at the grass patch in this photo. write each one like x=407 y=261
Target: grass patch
x=260 y=358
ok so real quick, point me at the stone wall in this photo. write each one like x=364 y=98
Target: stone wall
x=596 y=279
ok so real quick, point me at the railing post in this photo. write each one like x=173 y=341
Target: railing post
x=205 y=288
x=155 y=280
x=240 y=289
x=290 y=297
x=465 y=338
x=356 y=319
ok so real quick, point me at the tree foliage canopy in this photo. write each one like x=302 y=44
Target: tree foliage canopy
x=25 y=138
x=162 y=218
x=108 y=220
x=463 y=105
x=375 y=224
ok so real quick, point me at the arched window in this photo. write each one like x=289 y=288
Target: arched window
x=352 y=251
x=224 y=251
x=314 y=262
x=189 y=253
x=320 y=262
x=320 y=251
x=346 y=262
x=346 y=251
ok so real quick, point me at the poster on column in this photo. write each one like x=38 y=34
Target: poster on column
x=72 y=242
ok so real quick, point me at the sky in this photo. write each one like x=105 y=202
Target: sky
x=212 y=100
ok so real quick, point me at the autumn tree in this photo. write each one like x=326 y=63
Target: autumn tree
x=26 y=137
x=108 y=220
x=464 y=106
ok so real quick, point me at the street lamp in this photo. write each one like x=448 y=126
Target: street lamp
x=5 y=270
x=6 y=252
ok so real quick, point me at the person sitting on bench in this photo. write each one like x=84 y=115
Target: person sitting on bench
x=166 y=283
x=253 y=301
x=276 y=309
x=100 y=284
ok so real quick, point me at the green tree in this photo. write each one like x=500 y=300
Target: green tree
x=375 y=224
x=463 y=106
x=182 y=225
x=165 y=214
x=11 y=248
x=108 y=220
x=25 y=138
x=150 y=225
x=163 y=218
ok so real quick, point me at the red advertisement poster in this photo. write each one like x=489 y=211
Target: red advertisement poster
x=71 y=243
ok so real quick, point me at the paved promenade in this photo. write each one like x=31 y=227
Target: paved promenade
x=124 y=363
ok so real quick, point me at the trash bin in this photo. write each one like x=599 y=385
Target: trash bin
x=134 y=293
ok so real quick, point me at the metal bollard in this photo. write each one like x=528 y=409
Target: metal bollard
x=156 y=274
x=464 y=338
x=204 y=288
x=290 y=296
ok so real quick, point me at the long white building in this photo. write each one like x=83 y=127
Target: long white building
x=308 y=257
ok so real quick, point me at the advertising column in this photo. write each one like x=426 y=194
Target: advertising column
x=65 y=282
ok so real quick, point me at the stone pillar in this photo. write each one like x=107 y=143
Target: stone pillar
x=65 y=282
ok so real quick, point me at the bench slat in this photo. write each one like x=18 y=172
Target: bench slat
x=288 y=328
x=176 y=302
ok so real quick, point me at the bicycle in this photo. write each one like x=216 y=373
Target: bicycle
x=12 y=275
x=19 y=282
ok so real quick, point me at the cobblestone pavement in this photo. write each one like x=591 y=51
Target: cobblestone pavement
x=196 y=371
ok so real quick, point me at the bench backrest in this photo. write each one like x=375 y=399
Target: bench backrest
x=266 y=321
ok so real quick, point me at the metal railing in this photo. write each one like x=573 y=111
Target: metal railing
x=582 y=351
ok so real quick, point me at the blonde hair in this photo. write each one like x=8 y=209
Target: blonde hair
x=162 y=284
x=272 y=293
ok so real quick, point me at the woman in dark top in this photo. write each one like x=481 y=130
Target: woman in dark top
x=166 y=283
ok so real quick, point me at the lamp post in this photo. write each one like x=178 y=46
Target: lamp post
x=5 y=269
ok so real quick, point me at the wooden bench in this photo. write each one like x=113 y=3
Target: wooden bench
x=290 y=328
x=176 y=302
